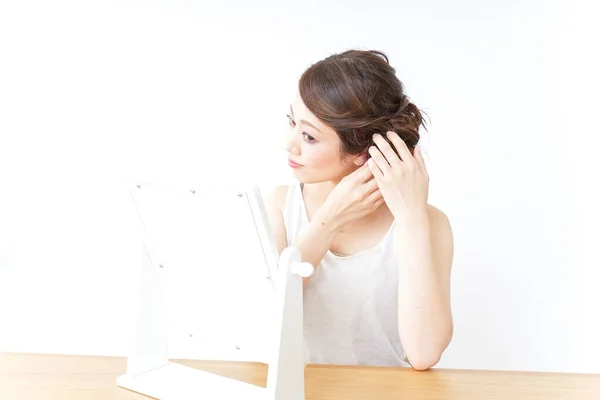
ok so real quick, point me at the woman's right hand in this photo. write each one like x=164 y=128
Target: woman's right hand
x=355 y=196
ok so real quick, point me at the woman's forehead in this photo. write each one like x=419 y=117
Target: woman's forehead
x=301 y=112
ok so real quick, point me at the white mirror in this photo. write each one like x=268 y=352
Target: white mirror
x=191 y=232
x=207 y=291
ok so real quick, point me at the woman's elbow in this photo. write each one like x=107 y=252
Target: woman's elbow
x=423 y=363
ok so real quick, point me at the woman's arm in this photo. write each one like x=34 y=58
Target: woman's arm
x=425 y=251
x=314 y=241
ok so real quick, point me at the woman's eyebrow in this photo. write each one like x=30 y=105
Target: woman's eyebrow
x=305 y=121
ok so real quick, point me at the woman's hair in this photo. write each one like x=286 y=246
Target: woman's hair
x=358 y=94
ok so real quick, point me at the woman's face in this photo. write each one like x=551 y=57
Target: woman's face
x=314 y=148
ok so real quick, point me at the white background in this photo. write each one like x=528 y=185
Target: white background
x=93 y=95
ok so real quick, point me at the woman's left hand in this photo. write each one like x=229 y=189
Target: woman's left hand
x=403 y=182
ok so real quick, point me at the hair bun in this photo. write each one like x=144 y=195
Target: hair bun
x=404 y=102
x=406 y=122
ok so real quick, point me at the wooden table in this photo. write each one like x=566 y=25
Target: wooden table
x=67 y=377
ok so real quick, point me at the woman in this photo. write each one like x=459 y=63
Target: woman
x=380 y=293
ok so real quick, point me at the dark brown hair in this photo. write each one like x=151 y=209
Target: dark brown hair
x=358 y=94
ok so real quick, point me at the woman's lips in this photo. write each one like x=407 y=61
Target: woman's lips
x=293 y=164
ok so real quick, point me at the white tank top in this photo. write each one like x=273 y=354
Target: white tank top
x=351 y=302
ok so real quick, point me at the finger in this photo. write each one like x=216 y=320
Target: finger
x=386 y=149
x=362 y=173
x=373 y=197
x=378 y=202
x=420 y=160
x=370 y=187
x=400 y=146
x=374 y=168
x=379 y=160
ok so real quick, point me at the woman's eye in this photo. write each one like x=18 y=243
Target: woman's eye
x=291 y=121
x=308 y=137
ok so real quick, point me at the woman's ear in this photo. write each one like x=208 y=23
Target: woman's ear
x=361 y=159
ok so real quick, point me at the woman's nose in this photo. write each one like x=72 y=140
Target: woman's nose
x=291 y=145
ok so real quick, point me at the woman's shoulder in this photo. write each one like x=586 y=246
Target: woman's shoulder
x=278 y=197
x=275 y=204
x=436 y=214
x=438 y=219
x=442 y=236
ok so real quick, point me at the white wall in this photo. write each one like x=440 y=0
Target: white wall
x=93 y=95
